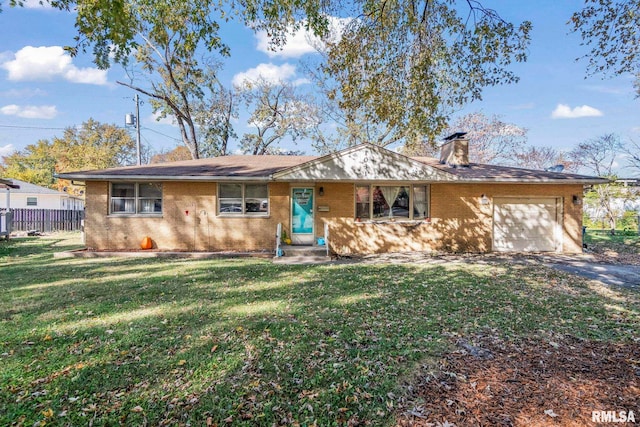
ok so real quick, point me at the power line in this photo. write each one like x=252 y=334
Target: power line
x=65 y=128
x=30 y=127
x=160 y=133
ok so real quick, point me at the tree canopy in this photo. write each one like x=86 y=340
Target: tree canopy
x=92 y=146
x=400 y=68
x=410 y=64
x=611 y=30
x=277 y=112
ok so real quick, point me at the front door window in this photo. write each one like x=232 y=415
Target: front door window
x=302 y=215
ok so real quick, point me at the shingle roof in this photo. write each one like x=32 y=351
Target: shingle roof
x=7 y=183
x=263 y=167
x=28 y=188
x=482 y=172
x=215 y=167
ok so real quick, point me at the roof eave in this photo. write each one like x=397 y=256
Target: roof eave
x=83 y=177
x=568 y=181
x=203 y=178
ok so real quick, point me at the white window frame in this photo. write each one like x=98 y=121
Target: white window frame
x=137 y=198
x=372 y=186
x=243 y=201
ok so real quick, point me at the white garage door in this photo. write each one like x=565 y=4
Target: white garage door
x=525 y=225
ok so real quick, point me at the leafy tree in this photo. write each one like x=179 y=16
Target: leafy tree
x=409 y=64
x=214 y=116
x=400 y=66
x=186 y=90
x=277 y=112
x=33 y=164
x=92 y=146
x=179 y=153
x=491 y=141
x=348 y=128
x=611 y=29
x=632 y=151
x=111 y=29
x=542 y=158
x=598 y=155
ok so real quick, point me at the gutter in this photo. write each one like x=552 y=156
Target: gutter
x=82 y=177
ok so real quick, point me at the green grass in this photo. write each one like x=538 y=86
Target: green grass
x=621 y=242
x=176 y=342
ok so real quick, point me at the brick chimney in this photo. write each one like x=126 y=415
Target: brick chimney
x=455 y=151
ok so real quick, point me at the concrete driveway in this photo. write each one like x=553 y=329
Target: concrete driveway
x=610 y=274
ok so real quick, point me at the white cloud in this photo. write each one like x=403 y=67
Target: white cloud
x=30 y=111
x=48 y=62
x=269 y=72
x=298 y=44
x=5 y=150
x=563 y=111
x=302 y=41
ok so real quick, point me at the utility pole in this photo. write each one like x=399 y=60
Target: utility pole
x=134 y=120
x=138 y=151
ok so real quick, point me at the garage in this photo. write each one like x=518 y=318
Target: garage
x=526 y=225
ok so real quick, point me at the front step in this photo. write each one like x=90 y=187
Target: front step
x=302 y=255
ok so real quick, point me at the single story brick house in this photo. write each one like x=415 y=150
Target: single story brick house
x=370 y=199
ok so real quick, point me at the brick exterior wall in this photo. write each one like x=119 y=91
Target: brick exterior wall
x=202 y=229
x=459 y=222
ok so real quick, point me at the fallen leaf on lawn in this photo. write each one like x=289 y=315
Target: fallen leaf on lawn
x=214 y=348
x=550 y=413
x=48 y=413
x=137 y=409
x=47 y=338
x=182 y=362
x=90 y=408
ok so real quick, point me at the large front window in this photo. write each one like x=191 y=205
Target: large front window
x=136 y=198
x=381 y=202
x=243 y=199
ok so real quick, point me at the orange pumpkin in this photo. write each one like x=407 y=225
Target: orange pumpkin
x=146 y=243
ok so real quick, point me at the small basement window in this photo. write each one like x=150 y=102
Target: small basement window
x=32 y=201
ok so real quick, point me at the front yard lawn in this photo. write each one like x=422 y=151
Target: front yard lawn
x=246 y=342
x=621 y=247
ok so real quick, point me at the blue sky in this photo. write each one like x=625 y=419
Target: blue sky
x=43 y=90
